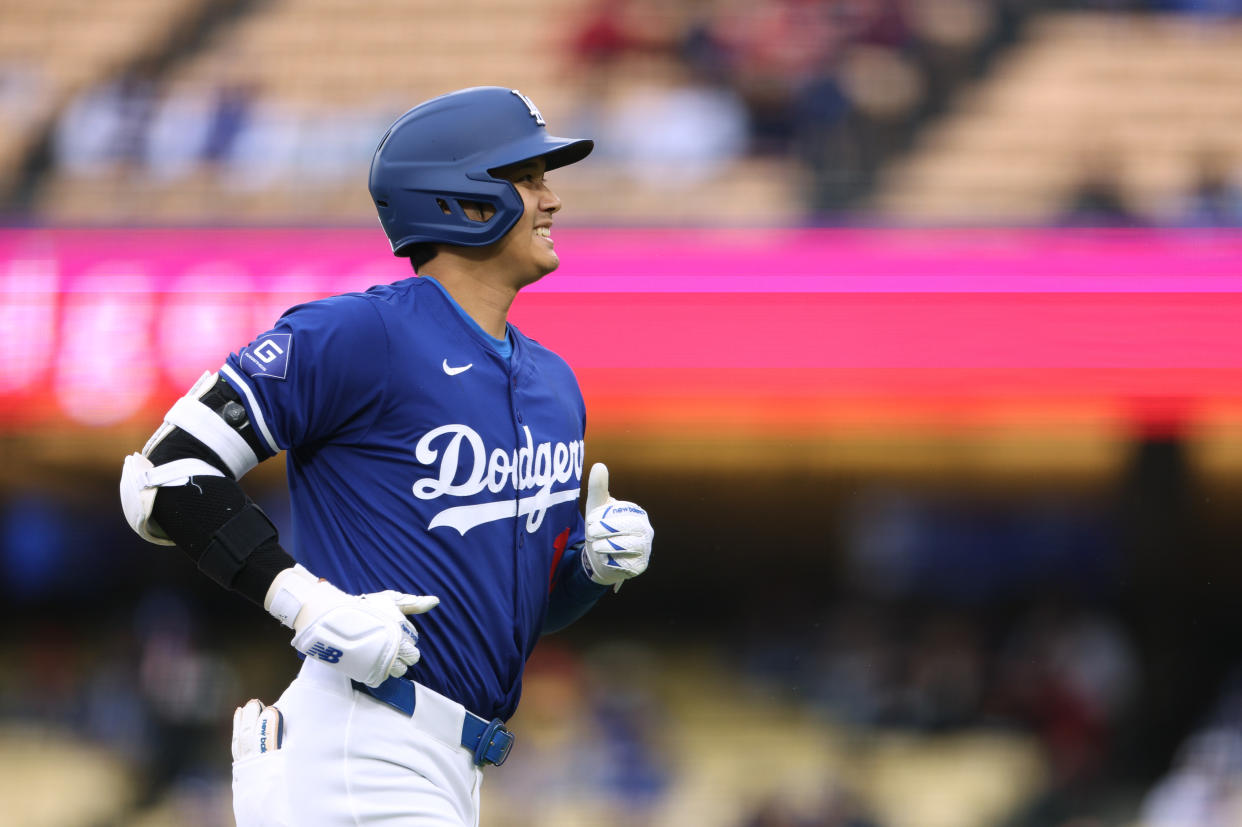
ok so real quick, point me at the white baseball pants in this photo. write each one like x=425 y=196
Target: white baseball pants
x=349 y=760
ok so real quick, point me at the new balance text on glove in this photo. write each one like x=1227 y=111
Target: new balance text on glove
x=618 y=534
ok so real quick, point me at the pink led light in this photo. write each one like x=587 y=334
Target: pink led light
x=734 y=318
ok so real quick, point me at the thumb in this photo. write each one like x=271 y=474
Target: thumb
x=597 y=487
x=416 y=604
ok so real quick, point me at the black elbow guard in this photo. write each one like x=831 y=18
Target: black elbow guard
x=233 y=543
x=229 y=538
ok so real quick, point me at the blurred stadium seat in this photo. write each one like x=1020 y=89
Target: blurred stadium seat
x=1152 y=92
x=1088 y=535
x=317 y=80
x=50 y=51
x=35 y=764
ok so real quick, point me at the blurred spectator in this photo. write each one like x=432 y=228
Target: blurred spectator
x=178 y=134
x=838 y=86
x=633 y=769
x=946 y=674
x=229 y=116
x=1216 y=199
x=265 y=152
x=853 y=117
x=827 y=139
x=1204 y=788
x=194 y=128
x=190 y=692
x=105 y=128
x=703 y=49
x=872 y=671
x=1068 y=675
x=113 y=711
x=222 y=126
x=876 y=22
x=776 y=47
x=23 y=88
x=1098 y=199
x=836 y=807
x=773 y=812
x=857 y=672
x=593 y=749
x=610 y=31
x=673 y=131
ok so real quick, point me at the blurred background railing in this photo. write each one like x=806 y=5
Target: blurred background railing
x=912 y=322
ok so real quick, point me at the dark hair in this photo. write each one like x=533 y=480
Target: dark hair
x=420 y=254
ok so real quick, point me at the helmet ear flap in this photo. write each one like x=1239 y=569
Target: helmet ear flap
x=430 y=176
x=468 y=209
x=446 y=215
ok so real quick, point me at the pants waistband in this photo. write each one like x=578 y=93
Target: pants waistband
x=443 y=718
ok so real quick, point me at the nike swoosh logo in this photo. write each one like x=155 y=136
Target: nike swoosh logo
x=452 y=371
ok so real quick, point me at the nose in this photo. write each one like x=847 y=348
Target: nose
x=549 y=201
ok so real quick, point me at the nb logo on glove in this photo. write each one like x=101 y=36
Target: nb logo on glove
x=369 y=637
x=325 y=653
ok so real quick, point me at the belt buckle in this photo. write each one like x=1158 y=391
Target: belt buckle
x=494 y=735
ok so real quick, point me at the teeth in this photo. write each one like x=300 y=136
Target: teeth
x=543 y=232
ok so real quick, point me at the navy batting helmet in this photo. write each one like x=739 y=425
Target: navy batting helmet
x=442 y=152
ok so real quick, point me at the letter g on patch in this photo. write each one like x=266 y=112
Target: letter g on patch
x=267 y=356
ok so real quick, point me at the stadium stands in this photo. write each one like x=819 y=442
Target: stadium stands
x=1149 y=92
x=50 y=51
x=269 y=115
x=265 y=112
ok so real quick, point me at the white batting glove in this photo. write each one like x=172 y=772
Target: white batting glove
x=257 y=729
x=368 y=637
x=618 y=534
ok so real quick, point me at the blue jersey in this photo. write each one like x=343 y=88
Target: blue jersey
x=421 y=459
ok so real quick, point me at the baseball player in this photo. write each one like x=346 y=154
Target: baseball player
x=435 y=458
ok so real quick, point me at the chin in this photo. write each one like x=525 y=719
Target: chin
x=537 y=274
x=547 y=264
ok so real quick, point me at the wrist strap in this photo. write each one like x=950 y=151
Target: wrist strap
x=288 y=593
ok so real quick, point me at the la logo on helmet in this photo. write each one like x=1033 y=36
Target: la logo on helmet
x=530 y=104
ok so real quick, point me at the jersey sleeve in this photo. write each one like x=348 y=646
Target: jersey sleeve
x=573 y=593
x=320 y=372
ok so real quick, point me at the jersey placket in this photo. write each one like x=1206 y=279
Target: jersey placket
x=519 y=524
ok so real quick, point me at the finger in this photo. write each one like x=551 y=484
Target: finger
x=416 y=604
x=407 y=653
x=597 y=487
x=407 y=648
x=271 y=729
x=599 y=529
x=407 y=656
x=248 y=714
x=239 y=735
x=613 y=551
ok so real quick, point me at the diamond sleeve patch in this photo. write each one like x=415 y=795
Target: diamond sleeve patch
x=268 y=356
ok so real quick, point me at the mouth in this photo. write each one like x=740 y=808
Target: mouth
x=544 y=233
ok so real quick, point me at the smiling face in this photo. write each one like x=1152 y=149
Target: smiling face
x=527 y=251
